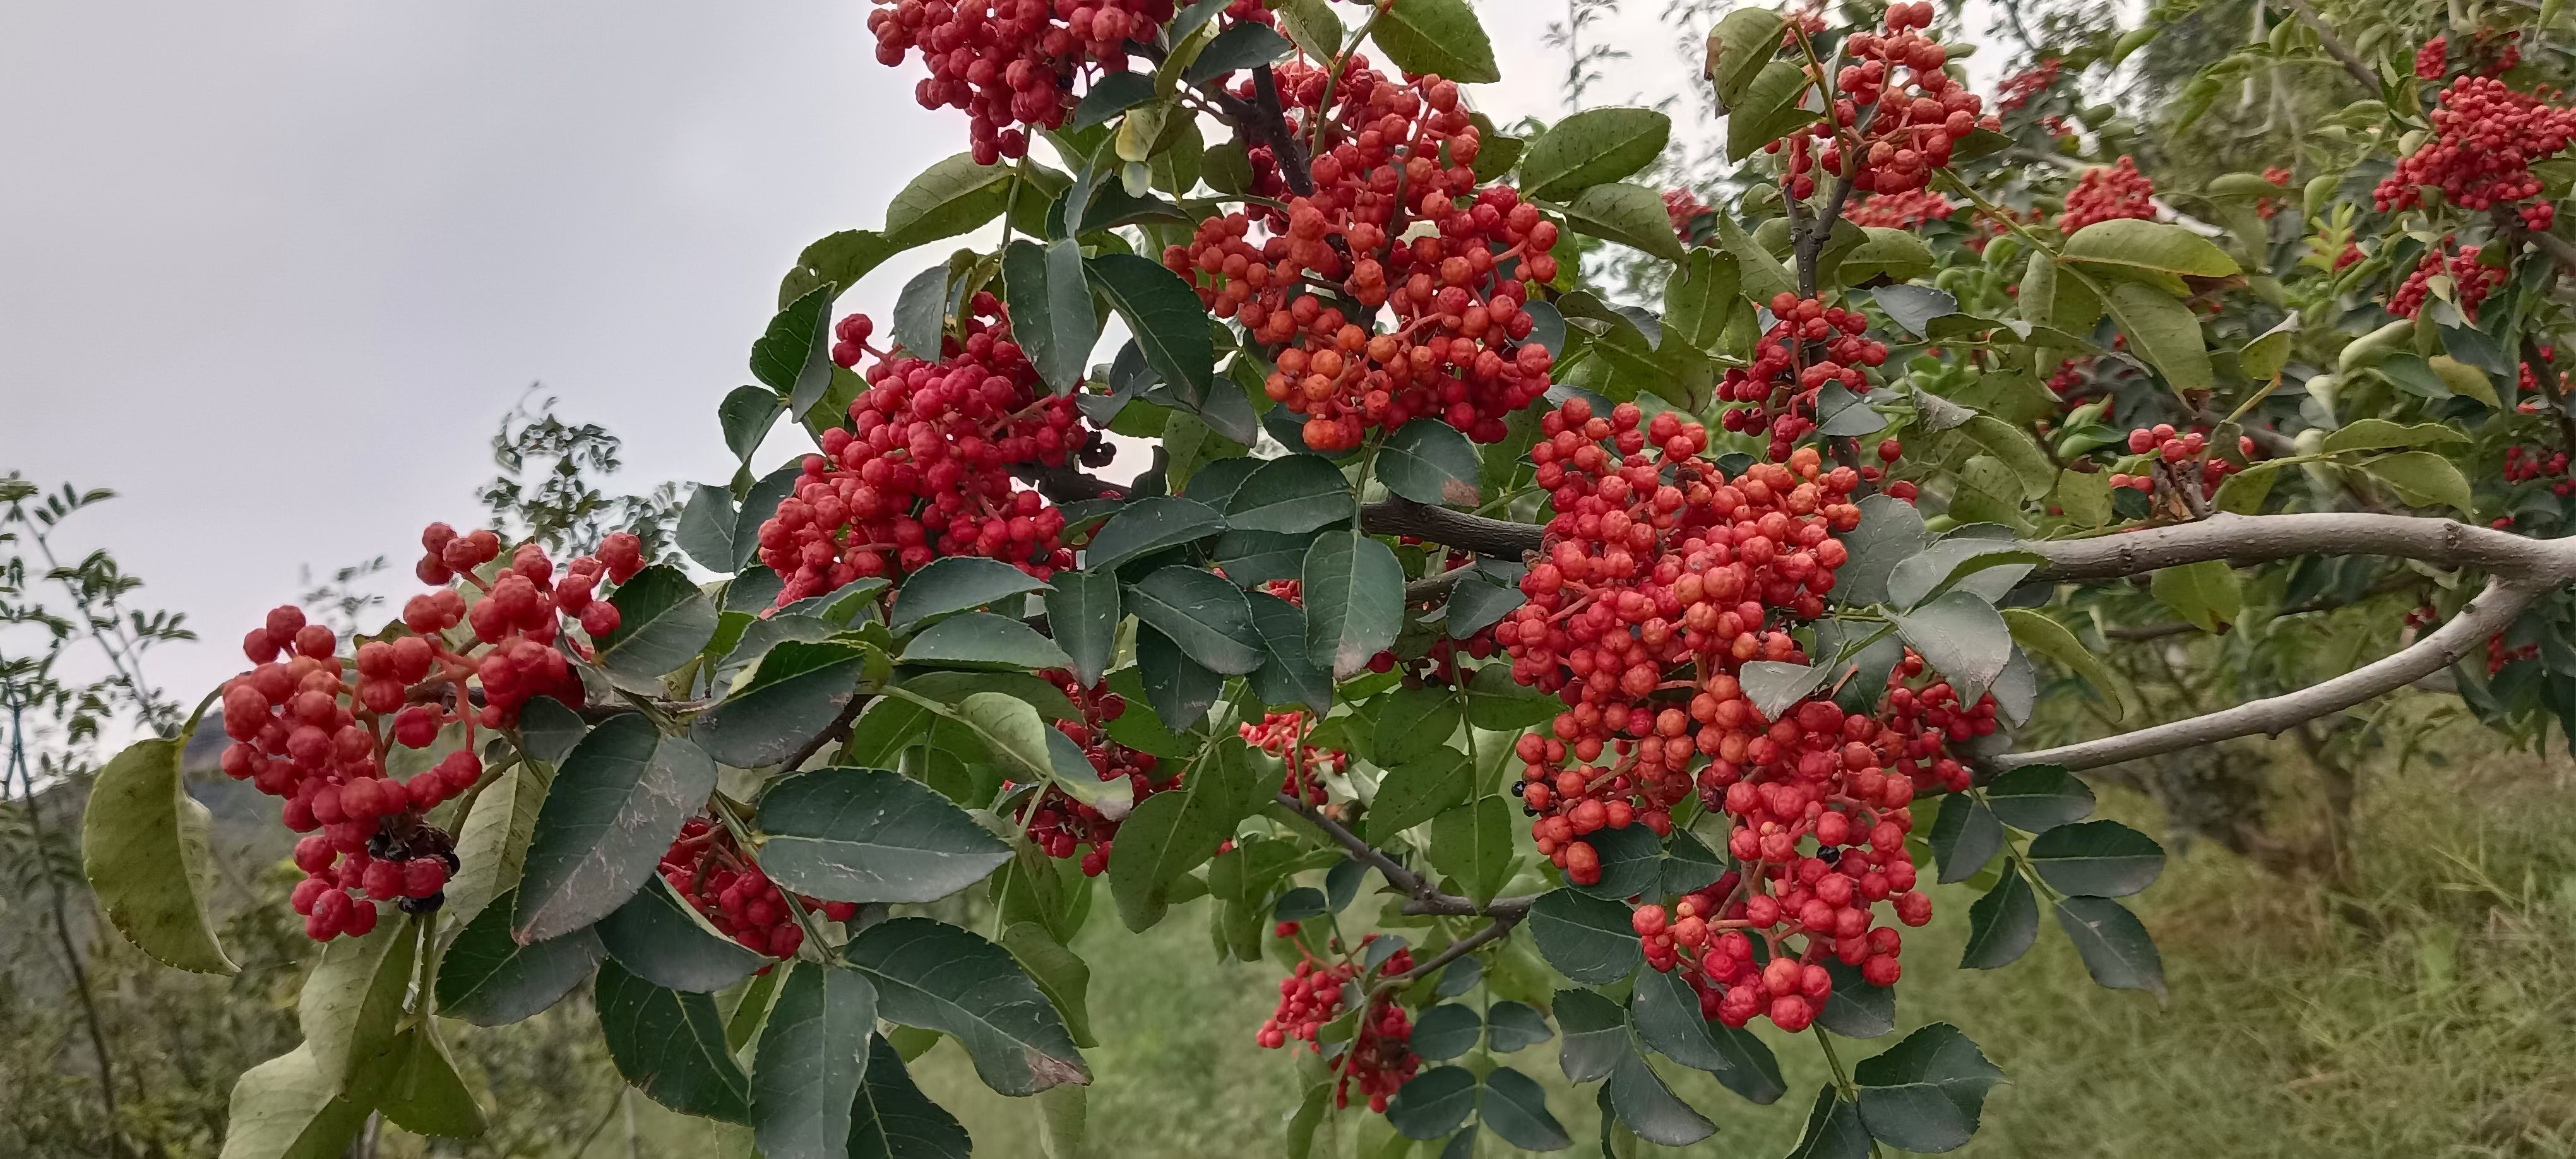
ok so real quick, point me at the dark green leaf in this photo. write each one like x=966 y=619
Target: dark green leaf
x=2001 y=925
x=759 y=504
x=2115 y=947
x=1429 y=461
x=812 y=1054
x=1650 y=1108
x=2097 y=859
x=1437 y=36
x=1514 y=1107
x=1473 y=845
x=490 y=980
x=1924 y=1093
x=1059 y=972
x=1890 y=530
x=949 y=198
x=1962 y=637
x=1250 y=558
x=1354 y=592
x=938 y=977
x=1632 y=861
x=1290 y=495
x=798 y=690
x=1286 y=675
x=794 y=356
x=1494 y=701
x=1109 y=95
x=955 y=583
x=870 y=835
x=1447 y=1031
x=1668 y=1019
x=1475 y=605
x=1177 y=688
x=1051 y=314
x=1240 y=47
x=1165 y=315
x=1208 y=617
x=671 y=1045
x=614 y=807
x=1411 y=723
x=921 y=313
x=1834 y=1130
x=1964 y=837
x=1587 y=939
x=1590 y=147
x=663 y=620
x=2037 y=798
x=892 y=1119
x=985 y=640
x=654 y=937
x=1149 y=525
x=1856 y=1009
x=706 y=528
x=1174 y=832
x=1435 y=1103
x=1418 y=790
x=1082 y=615
x=746 y=414
x=1596 y=1035
x=1631 y=215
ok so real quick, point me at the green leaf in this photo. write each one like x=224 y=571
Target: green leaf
x=938 y=977
x=892 y=1119
x=1428 y=461
x=1964 y=837
x=2424 y=479
x=1764 y=276
x=2001 y=925
x=1632 y=861
x=1591 y=147
x=953 y=584
x=2038 y=798
x=1418 y=790
x=1447 y=1031
x=488 y=979
x=1924 y=1093
x=1775 y=686
x=2129 y=243
x=2205 y=593
x=2097 y=859
x=671 y=1046
x=1495 y=701
x=1768 y=110
x=493 y=843
x=1514 y=1108
x=746 y=415
x=1239 y=47
x=1834 y=1130
x=663 y=621
x=1596 y=1035
x=1313 y=27
x=1642 y=1101
x=1435 y=1102
x=1890 y=531
x=2013 y=447
x=1884 y=255
x=798 y=690
x=1689 y=864
x=2161 y=330
x=839 y=259
x=758 y=505
x=951 y=197
x=615 y=805
x=1631 y=215
x=2261 y=359
x=794 y=355
x=2378 y=434
x=1208 y=617
x=1174 y=832
x=1962 y=637
x=1511 y=1026
x=1986 y=567
x=706 y=528
x=1666 y=1011
x=1149 y=525
x=426 y=1096
x=1286 y=675
x=655 y=937
x=921 y=313
x=987 y=641
x=1354 y=592
x=1475 y=605
x=287 y=1108
x=812 y=1054
x=1290 y=495
x=1177 y=688
x=1082 y=615
x=1058 y=971
x=1109 y=95
x=1166 y=317
x=143 y=850
x=1701 y=295
x=869 y=835
x=1472 y=844
x=1738 y=49
x=1914 y=307
x=1587 y=939
x=2042 y=636
x=1412 y=723
x=2116 y=949
x=1856 y=1009
x=1437 y=36
x=1051 y=314
x=352 y=1004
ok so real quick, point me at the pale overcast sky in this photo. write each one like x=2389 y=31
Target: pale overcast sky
x=274 y=270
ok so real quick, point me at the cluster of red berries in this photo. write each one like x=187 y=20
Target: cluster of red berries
x=1901 y=210
x=1058 y=824
x=2471 y=282
x=1779 y=388
x=711 y=873
x=1845 y=780
x=2485 y=137
x=2489 y=54
x=1912 y=123
x=2524 y=464
x=1651 y=593
x=1454 y=351
x=1283 y=735
x=2430 y=59
x=923 y=469
x=1686 y=211
x=2266 y=207
x=308 y=729
x=2177 y=448
x=1381 y=1057
x=2498 y=655
x=2107 y=193
x=2018 y=89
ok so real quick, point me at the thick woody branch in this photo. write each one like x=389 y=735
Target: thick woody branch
x=2251 y=539
x=1476 y=533
x=1425 y=898
x=2491 y=612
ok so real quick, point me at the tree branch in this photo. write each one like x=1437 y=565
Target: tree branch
x=1500 y=926
x=1426 y=899
x=840 y=726
x=2334 y=45
x=2491 y=612
x=2249 y=539
x=1476 y=533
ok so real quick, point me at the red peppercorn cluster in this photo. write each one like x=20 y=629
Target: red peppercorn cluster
x=1650 y=594
x=1012 y=64
x=309 y=729
x=1058 y=824
x=2018 y=89
x=923 y=469
x=1901 y=210
x=1453 y=349
x=2471 y=282
x=2178 y=448
x=2430 y=59
x=1283 y=735
x=2266 y=207
x=2498 y=655
x=1381 y=1055
x=2524 y=464
x=2489 y=53
x=712 y=874
x=1903 y=129
x=2107 y=193
x=2485 y=137
x=1687 y=212
x=1779 y=388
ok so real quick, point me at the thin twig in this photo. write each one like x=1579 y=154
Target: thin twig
x=2334 y=45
